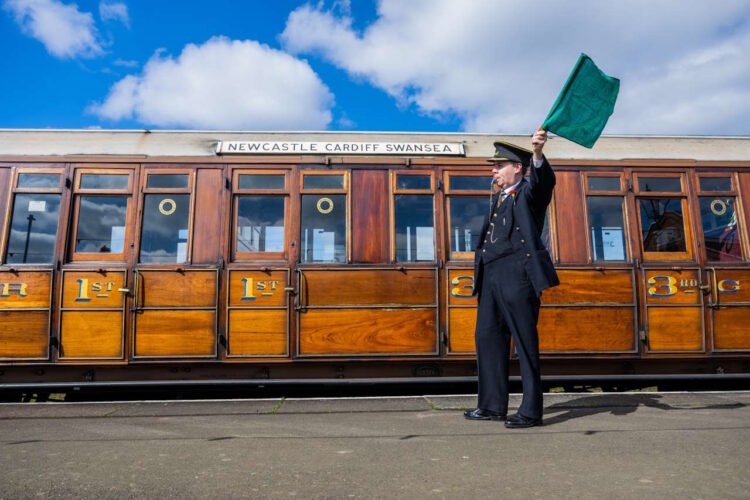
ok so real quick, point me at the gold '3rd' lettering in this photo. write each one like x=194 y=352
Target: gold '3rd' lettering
x=462 y=291
x=662 y=286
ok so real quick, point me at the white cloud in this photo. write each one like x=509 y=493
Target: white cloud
x=114 y=11
x=499 y=64
x=65 y=31
x=222 y=84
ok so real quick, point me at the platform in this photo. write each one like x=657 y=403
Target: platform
x=596 y=445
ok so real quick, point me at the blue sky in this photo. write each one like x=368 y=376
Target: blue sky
x=491 y=66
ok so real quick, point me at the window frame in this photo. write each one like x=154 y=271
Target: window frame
x=73 y=255
x=687 y=221
x=394 y=174
x=11 y=203
x=347 y=217
x=738 y=209
x=238 y=256
x=622 y=194
x=189 y=190
x=449 y=193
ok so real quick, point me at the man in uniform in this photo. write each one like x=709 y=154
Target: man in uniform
x=511 y=268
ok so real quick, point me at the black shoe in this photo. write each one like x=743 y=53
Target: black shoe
x=518 y=421
x=480 y=414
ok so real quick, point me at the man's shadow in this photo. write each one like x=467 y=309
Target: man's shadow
x=619 y=404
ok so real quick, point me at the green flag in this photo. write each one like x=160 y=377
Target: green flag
x=584 y=105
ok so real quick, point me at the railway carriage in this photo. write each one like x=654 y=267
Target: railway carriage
x=130 y=256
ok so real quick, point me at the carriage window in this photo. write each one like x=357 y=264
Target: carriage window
x=167 y=181
x=260 y=201
x=33 y=229
x=721 y=234
x=105 y=181
x=37 y=181
x=34 y=218
x=101 y=207
x=468 y=202
x=660 y=184
x=606 y=228
x=166 y=219
x=414 y=218
x=604 y=184
x=662 y=225
x=323 y=233
x=716 y=184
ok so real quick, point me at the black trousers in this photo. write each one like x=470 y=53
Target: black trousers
x=508 y=307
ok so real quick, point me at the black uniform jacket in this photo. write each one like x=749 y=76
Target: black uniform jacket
x=529 y=208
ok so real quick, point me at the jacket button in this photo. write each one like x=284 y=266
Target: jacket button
x=523 y=241
x=518 y=228
x=528 y=255
x=494 y=216
x=483 y=250
x=492 y=223
x=485 y=240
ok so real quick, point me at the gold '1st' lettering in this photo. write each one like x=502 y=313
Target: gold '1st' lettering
x=662 y=286
x=247 y=291
x=83 y=290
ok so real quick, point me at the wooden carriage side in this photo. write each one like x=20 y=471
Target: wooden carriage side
x=290 y=261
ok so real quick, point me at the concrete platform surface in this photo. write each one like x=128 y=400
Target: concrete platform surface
x=628 y=445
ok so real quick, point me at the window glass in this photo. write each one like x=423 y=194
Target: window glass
x=101 y=224
x=323 y=233
x=716 y=184
x=421 y=182
x=260 y=224
x=660 y=184
x=604 y=184
x=165 y=228
x=33 y=229
x=415 y=238
x=167 y=181
x=470 y=183
x=662 y=225
x=323 y=182
x=38 y=180
x=466 y=217
x=104 y=181
x=261 y=181
x=720 y=232
x=606 y=228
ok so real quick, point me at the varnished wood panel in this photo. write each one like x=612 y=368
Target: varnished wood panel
x=591 y=287
x=569 y=204
x=364 y=287
x=25 y=290
x=731 y=328
x=370 y=220
x=175 y=333
x=24 y=334
x=261 y=289
x=744 y=178
x=460 y=287
x=101 y=289
x=463 y=321
x=595 y=329
x=672 y=287
x=257 y=332
x=188 y=288
x=733 y=286
x=378 y=331
x=675 y=329
x=91 y=334
x=208 y=234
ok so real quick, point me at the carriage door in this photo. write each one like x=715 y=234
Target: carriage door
x=367 y=287
x=28 y=247
x=176 y=276
x=727 y=272
x=672 y=279
x=94 y=277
